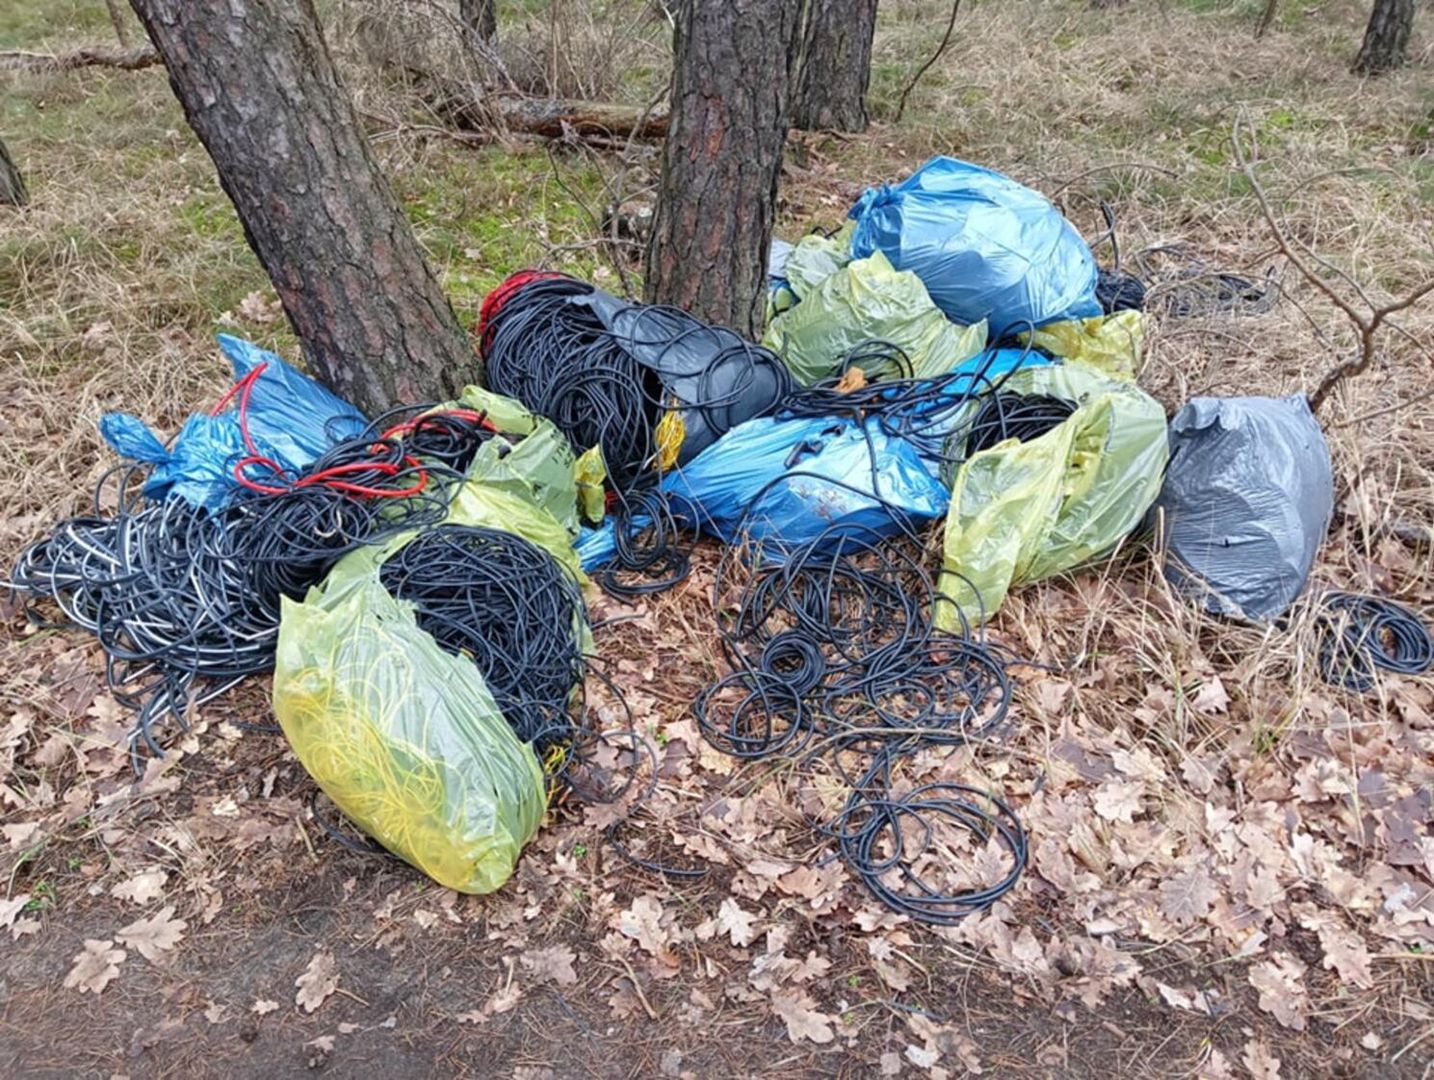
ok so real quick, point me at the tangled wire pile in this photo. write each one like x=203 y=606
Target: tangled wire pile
x=176 y=594
x=1358 y=633
x=1003 y=415
x=518 y=614
x=637 y=381
x=836 y=663
x=509 y=606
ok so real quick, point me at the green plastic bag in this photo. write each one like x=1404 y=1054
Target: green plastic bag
x=404 y=738
x=1109 y=343
x=815 y=257
x=863 y=301
x=541 y=468
x=1021 y=512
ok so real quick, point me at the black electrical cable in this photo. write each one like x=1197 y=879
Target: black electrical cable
x=509 y=606
x=547 y=346
x=178 y=596
x=1115 y=290
x=836 y=660
x=1005 y=415
x=1359 y=633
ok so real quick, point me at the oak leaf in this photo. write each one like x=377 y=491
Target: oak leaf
x=157 y=934
x=95 y=967
x=319 y=980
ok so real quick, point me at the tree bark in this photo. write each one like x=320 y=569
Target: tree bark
x=833 y=65
x=480 y=16
x=117 y=19
x=1386 y=38
x=260 y=89
x=12 y=184
x=722 y=159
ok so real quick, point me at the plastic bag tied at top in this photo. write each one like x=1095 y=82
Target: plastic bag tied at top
x=985 y=246
x=1246 y=502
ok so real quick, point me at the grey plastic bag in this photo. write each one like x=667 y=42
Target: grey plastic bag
x=1247 y=501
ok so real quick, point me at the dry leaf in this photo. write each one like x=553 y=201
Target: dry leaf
x=803 y=1021
x=1118 y=801
x=1262 y=1064
x=154 y=935
x=554 y=964
x=736 y=923
x=23 y=927
x=256 y=308
x=923 y=1057
x=95 y=967
x=643 y=923
x=1282 y=994
x=11 y=908
x=1212 y=697
x=1187 y=896
x=1216 y=1067
x=263 y=1007
x=214 y=1012
x=319 y=980
x=890 y=1064
x=1345 y=953
x=145 y=886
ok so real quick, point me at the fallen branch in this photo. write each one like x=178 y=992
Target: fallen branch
x=1368 y=324
x=1267 y=17
x=549 y=118
x=134 y=59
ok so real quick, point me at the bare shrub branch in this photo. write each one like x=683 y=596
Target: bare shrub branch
x=1367 y=322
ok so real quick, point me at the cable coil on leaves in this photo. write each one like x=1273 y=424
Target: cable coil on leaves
x=1358 y=634
x=836 y=664
x=176 y=594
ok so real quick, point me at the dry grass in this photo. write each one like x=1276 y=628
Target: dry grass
x=113 y=281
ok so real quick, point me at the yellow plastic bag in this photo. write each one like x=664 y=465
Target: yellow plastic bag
x=1021 y=512
x=864 y=301
x=1111 y=344
x=404 y=738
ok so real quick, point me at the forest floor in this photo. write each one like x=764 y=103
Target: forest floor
x=1233 y=869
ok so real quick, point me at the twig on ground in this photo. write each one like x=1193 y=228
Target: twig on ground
x=1368 y=324
x=945 y=41
x=1267 y=17
x=90 y=56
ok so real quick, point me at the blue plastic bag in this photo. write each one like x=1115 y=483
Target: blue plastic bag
x=798 y=477
x=780 y=465
x=291 y=420
x=984 y=246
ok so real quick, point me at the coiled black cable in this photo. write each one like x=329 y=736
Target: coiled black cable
x=547 y=346
x=1004 y=415
x=508 y=605
x=177 y=595
x=835 y=656
x=1359 y=633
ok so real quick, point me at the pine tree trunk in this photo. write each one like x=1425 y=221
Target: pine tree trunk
x=1386 y=38
x=722 y=159
x=834 y=65
x=260 y=90
x=12 y=184
x=481 y=16
x=117 y=19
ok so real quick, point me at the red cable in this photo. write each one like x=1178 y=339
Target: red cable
x=494 y=301
x=332 y=477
